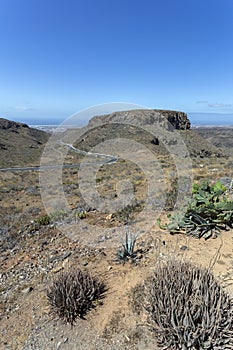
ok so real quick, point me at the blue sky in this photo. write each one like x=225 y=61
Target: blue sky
x=60 y=56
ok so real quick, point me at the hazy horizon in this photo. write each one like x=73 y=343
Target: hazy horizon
x=195 y=119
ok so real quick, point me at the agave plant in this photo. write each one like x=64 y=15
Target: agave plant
x=128 y=244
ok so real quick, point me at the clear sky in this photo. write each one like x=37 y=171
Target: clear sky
x=60 y=56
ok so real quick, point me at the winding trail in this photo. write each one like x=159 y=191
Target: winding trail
x=112 y=159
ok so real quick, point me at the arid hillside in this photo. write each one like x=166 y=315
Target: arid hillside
x=20 y=144
x=221 y=137
x=37 y=245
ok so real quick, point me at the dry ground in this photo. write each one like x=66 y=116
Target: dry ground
x=32 y=254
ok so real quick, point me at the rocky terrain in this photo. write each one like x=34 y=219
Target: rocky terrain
x=36 y=247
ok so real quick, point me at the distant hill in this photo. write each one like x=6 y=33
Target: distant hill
x=121 y=125
x=166 y=118
x=20 y=144
x=221 y=137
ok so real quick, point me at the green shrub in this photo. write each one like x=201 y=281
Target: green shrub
x=43 y=220
x=125 y=214
x=81 y=214
x=206 y=213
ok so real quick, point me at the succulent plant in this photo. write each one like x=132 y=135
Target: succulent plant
x=73 y=293
x=128 y=244
x=206 y=214
x=189 y=309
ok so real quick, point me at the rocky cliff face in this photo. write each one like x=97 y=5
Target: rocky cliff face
x=179 y=120
x=165 y=118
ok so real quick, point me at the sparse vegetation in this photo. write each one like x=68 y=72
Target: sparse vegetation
x=125 y=214
x=82 y=214
x=188 y=309
x=36 y=247
x=58 y=215
x=73 y=293
x=43 y=220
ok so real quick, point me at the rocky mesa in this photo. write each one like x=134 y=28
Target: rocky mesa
x=129 y=124
x=165 y=118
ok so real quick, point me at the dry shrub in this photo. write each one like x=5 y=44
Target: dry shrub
x=188 y=309
x=73 y=293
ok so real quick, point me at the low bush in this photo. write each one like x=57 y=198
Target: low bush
x=43 y=220
x=73 y=293
x=58 y=215
x=188 y=309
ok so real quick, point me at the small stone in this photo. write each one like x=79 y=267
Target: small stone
x=65 y=262
x=57 y=269
x=109 y=217
x=84 y=263
x=59 y=344
x=27 y=290
x=227 y=182
x=183 y=247
x=66 y=255
x=51 y=259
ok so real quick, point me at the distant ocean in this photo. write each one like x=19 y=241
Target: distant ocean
x=213 y=119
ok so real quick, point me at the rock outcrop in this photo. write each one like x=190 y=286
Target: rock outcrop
x=165 y=118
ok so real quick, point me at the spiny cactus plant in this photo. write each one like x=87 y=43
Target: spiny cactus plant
x=73 y=293
x=188 y=309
